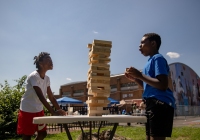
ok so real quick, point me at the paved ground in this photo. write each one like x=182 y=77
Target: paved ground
x=187 y=121
x=179 y=121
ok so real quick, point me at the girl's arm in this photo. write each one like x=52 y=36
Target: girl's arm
x=43 y=100
x=54 y=102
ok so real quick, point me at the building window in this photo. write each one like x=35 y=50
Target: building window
x=113 y=88
x=78 y=92
x=130 y=95
x=124 y=96
x=129 y=86
x=67 y=93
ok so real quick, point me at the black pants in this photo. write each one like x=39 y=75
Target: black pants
x=159 y=118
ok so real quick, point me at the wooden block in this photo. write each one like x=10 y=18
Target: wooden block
x=101 y=55
x=92 y=75
x=101 y=95
x=102 y=41
x=99 y=66
x=98 y=87
x=105 y=80
x=97 y=104
x=99 y=59
x=98 y=77
x=99 y=50
x=100 y=72
x=98 y=108
x=91 y=101
x=98 y=100
x=106 y=92
x=92 y=108
x=102 y=45
x=98 y=81
x=93 y=54
x=89 y=45
x=96 y=113
x=105 y=112
x=98 y=62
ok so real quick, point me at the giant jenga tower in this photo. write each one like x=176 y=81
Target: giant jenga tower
x=98 y=82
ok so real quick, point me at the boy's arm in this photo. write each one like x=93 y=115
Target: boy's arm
x=43 y=100
x=160 y=82
x=139 y=82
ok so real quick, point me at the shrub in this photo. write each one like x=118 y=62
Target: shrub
x=9 y=105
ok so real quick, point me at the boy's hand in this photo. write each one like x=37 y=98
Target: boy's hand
x=133 y=72
x=129 y=77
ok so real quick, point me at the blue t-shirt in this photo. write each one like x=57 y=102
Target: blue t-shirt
x=155 y=66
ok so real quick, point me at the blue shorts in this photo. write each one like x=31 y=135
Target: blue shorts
x=159 y=118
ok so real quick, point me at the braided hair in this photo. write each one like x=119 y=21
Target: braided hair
x=39 y=58
x=154 y=37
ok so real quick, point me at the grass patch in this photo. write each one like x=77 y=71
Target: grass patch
x=135 y=133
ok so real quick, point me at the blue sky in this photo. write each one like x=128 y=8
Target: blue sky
x=65 y=27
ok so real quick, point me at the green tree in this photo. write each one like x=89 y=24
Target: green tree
x=9 y=105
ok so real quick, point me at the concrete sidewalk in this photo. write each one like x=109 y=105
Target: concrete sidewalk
x=187 y=121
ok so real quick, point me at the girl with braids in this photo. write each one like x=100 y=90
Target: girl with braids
x=37 y=87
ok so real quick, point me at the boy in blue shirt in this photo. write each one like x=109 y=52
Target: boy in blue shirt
x=158 y=97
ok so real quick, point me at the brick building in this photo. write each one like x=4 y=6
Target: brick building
x=121 y=89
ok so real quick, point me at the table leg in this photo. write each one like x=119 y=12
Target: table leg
x=67 y=131
x=83 y=134
x=90 y=130
x=113 y=131
x=99 y=129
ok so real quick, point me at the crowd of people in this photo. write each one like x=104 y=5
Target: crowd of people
x=136 y=110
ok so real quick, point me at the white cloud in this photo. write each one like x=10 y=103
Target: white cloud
x=95 y=32
x=173 y=55
x=68 y=79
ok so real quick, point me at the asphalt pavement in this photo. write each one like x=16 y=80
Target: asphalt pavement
x=192 y=121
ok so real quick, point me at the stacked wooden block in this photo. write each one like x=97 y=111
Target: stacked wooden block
x=98 y=82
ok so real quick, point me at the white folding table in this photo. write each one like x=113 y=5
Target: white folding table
x=115 y=119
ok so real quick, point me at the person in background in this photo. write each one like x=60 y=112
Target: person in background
x=134 y=106
x=142 y=108
x=34 y=98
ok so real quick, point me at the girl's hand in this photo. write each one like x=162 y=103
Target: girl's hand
x=61 y=112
